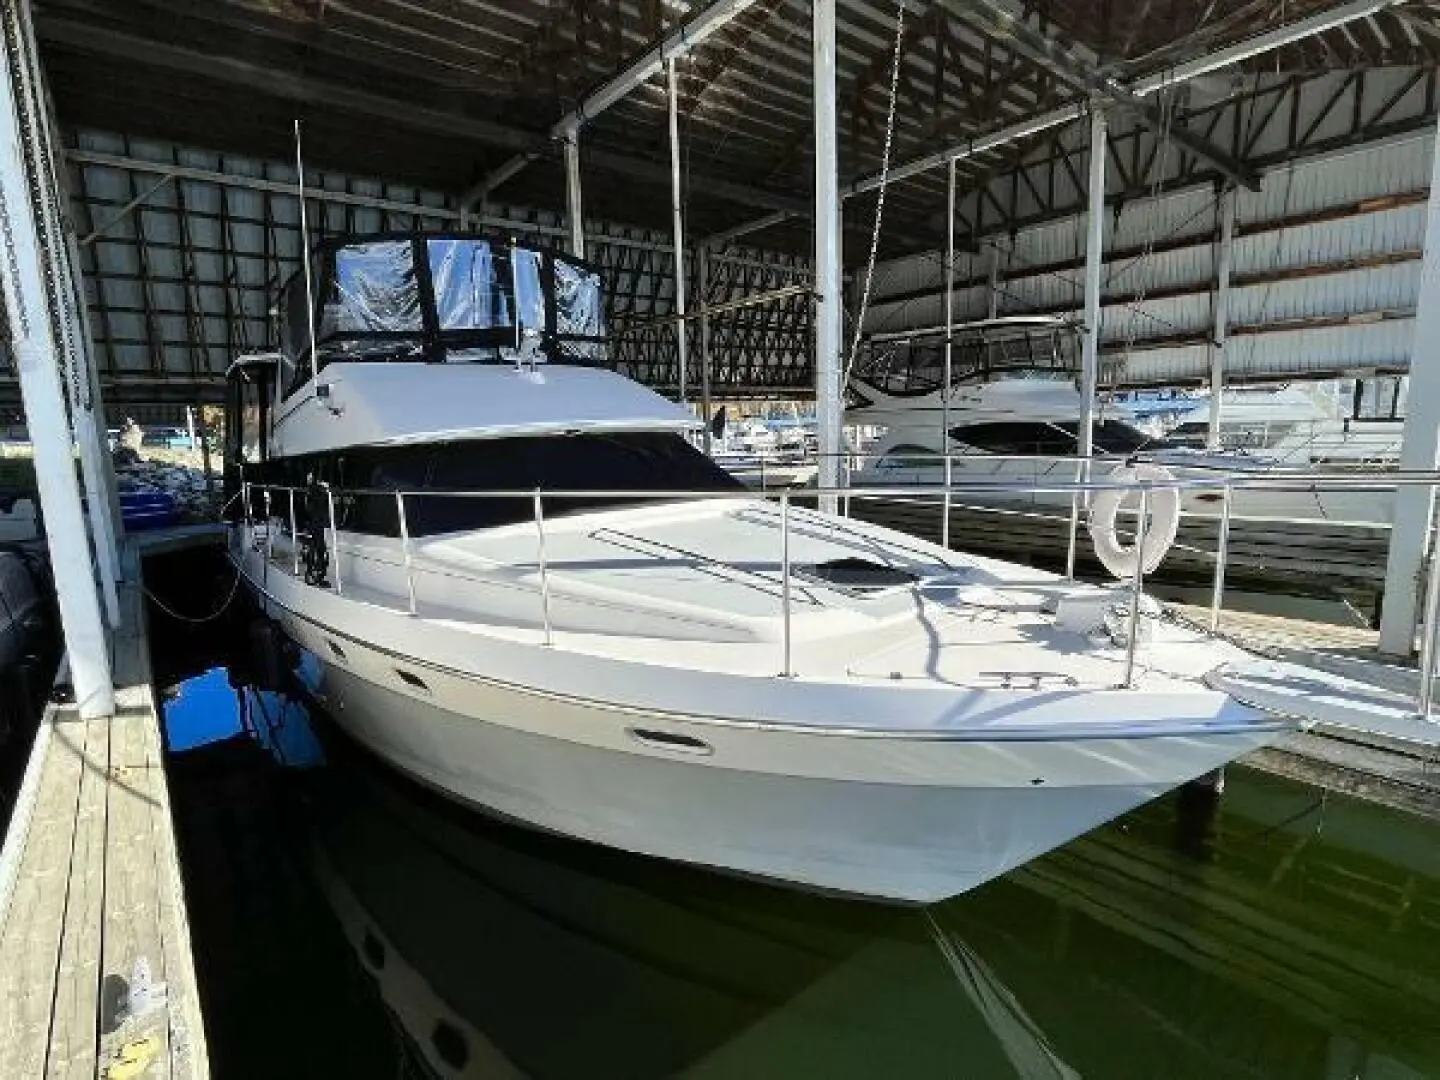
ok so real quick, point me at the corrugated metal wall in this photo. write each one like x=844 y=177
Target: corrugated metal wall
x=1325 y=273
x=181 y=273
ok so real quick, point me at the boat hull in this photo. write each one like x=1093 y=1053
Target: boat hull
x=909 y=842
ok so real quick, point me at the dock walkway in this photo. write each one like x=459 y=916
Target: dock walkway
x=1392 y=757
x=96 y=972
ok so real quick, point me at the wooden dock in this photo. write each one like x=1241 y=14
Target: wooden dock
x=1393 y=760
x=96 y=972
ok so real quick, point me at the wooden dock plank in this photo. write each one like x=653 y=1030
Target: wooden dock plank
x=30 y=940
x=96 y=887
x=132 y=936
x=72 y=1030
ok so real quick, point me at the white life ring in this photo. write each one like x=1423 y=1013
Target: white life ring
x=1120 y=558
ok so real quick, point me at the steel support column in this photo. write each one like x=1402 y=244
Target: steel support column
x=35 y=350
x=947 y=387
x=992 y=305
x=87 y=419
x=828 y=316
x=1419 y=447
x=574 y=213
x=702 y=290
x=1225 y=205
x=1094 y=257
x=678 y=224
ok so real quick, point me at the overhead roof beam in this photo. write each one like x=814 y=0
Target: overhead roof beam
x=312 y=91
x=718 y=240
x=1149 y=84
x=676 y=43
x=995 y=21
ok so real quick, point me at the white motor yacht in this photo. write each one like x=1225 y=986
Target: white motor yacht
x=520 y=584
x=1304 y=424
x=1019 y=423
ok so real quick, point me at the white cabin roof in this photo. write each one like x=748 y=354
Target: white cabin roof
x=392 y=404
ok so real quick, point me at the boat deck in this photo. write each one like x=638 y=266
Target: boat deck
x=96 y=972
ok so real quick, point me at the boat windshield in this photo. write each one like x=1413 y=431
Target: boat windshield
x=904 y=368
x=451 y=298
x=612 y=461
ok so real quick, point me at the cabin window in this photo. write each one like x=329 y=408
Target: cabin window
x=578 y=308
x=529 y=293
x=373 y=290
x=1041 y=439
x=641 y=461
x=1021 y=439
x=909 y=457
x=470 y=290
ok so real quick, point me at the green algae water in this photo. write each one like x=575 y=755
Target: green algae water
x=348 y=922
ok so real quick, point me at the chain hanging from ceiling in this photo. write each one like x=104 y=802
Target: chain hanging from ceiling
x=880 y=194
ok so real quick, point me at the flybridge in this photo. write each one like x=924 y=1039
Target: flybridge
x=441 y=297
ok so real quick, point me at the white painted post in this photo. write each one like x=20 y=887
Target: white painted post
x=1419 y=447
x=828 y=362
x=1094 y=239
x=678 y=225
x=1220 y=305
x=947 y=386
x=992 y=309
x=1090 y=349
x=573 y=209
x=36 y=351
x=102 y=507
x=702 y=273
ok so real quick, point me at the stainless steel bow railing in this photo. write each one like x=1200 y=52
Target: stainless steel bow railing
x=1200 y=477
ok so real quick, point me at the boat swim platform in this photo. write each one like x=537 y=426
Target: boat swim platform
x=97 y=978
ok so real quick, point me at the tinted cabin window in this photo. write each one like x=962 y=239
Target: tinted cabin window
x=642 y=461
x=1020 y=438
x=1051 y=440
x=1114 y=437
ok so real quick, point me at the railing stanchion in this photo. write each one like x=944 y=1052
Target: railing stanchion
x=405 y=549
x=294 y=537
x=945 y=521
x=245 y=505
x=1428 y=626
x=1137 y=586
x=544 y=568
x=334 y=540
x=785 y=584
x=1222 y=556
x=269 y=541
x=1080 y=471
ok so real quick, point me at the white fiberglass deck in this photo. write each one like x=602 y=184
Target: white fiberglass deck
x=633 y=587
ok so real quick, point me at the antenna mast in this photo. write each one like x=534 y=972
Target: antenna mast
x=305 y=242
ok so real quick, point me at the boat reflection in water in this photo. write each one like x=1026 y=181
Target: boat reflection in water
x=1297 y=943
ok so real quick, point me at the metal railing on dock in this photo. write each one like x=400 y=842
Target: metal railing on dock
x=1219 y=482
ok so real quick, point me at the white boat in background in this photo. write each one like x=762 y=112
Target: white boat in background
x=1303 y=425
x=1020 y=424
x=763 y=456
x=701 y=675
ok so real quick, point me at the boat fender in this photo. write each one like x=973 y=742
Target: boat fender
x=1120 y=558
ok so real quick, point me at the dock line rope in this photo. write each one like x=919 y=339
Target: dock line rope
x=225 y=605
x=229 y=597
